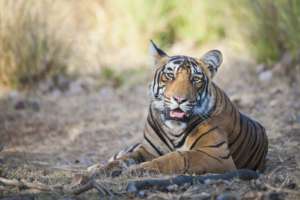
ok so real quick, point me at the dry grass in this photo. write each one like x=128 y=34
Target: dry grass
x=30 y=45
x=39 y=39
x=43 y=38
x=271 y=30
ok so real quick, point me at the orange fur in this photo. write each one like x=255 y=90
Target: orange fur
x=225 y=140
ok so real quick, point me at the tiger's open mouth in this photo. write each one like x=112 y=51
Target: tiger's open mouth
x=177 y=114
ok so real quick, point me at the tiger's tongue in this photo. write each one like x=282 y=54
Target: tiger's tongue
x=176 y=114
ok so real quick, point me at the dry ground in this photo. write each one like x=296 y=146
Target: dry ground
x=46 y=136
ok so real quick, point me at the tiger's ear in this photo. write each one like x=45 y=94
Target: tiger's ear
x=213 y=60
x=158 y=56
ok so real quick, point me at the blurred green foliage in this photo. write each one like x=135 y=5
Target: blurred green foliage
x=270 y=28
x=42 y=39
x=29 y=48
x=170 y=21
x=123 y=79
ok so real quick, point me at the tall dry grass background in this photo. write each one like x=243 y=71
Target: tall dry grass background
x=40 y=39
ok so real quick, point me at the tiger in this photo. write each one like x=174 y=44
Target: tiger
x=192 y=126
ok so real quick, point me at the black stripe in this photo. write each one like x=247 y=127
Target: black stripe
x=133 y=147
x=206 y=89
x=216 y=101
x=232 y=109
x=262 y=156
x=245 y=138
x=188 y=130
x=158 y=82
x=181 y=142
x=157 y=130
x=154 y=81
x=160 y=131
x=177 y=62
x=209 y=155
x=225 y=157
x=221 y=95
x=254 y=147
x=252 y=155
x=216 y=145
x=261 y=151
x=250 y=132
x=186 y=163
x=234 y=118
x=207 y=132
x=176 y=57
x=226 y=102
x=239 y=134
x=153 y=146
x=193 y=125
x=115 y=156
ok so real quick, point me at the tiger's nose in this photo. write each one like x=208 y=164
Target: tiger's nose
x=179 y=99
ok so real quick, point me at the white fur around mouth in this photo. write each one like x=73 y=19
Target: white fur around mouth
x=176 y=126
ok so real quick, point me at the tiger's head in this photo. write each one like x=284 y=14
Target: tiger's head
x=181 y=87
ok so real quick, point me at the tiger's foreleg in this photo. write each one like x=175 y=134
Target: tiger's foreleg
x=194 y=161
x=123 y=160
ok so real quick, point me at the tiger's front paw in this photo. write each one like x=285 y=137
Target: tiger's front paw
x=146 y=168
x=95 y=168
x=113 y=168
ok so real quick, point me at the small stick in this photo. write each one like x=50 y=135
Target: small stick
x=91 y=184
x=25 y=184
x=282 y=189
x=10 y=182
x=83 y=188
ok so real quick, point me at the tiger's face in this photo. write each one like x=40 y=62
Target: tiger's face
x=181 y=85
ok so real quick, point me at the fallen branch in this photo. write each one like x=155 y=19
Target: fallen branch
x=162 y=184
x=25 y=184
x=280 y=189
x=92 y=184
x=82 y=188
x=133 y=186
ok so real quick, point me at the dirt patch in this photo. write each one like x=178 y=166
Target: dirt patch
x=47 y=137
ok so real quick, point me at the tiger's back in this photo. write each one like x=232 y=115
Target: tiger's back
x=247 y=139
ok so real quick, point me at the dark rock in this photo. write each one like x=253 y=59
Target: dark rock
x=141 y=194
x=116 y=172
x=291 y=185
x=274 y=196
x=35 y=106
x=27 y=104
x=20 y=105
x=227 y=196
x=131 y=188
x=77 y=161
x=19 y=197
x=172 y=188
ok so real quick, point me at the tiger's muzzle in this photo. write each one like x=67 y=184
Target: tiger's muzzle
x=177 y=108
